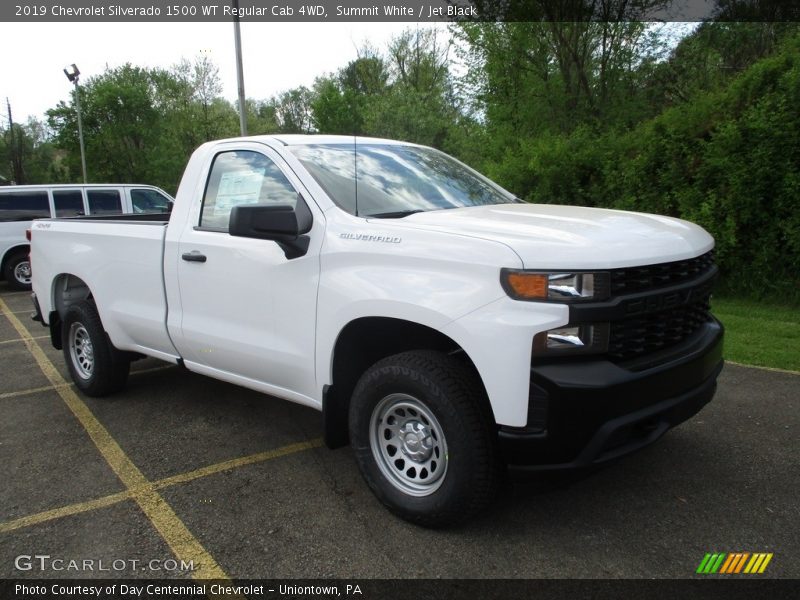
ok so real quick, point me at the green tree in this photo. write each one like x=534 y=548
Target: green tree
x=192 y=92
x=120 y=125
x=342 y=103
x=537 y=79
x=711 y=56
x=262 y=117
x=28 y=156
x=293 y=111
x=141 y=125
x=419 y=104
x=331 y=112
x=408 y=93
x=727 y=160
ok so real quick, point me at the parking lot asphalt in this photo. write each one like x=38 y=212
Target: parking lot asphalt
x=182 y=467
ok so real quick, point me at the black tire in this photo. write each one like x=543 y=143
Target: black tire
x=430 y=480
x=17 y=271
x=96 y=367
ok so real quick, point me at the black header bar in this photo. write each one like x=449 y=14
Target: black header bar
x=412 y=11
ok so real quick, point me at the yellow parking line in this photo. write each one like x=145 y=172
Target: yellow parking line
x=64 y=511
x=183 y=544
x=81 y=507
x=17 y=340
x=48 y=388
x=237 y=462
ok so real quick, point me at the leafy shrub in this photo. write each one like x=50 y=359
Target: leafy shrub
x=728 y=160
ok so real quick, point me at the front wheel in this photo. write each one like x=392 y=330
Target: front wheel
x=17 y=272
x=96 y=367
x=424 y=439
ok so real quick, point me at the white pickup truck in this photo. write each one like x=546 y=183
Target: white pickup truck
x=443 y=327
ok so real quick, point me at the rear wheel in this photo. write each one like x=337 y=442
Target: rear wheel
x=423 y=439
x=96 y=367
x=17 y=271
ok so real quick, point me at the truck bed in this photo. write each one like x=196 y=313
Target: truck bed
x=123 y=257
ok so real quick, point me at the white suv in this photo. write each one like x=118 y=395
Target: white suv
x=20 y=204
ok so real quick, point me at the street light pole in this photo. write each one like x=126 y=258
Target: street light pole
x=80 y=130
x=72 y=74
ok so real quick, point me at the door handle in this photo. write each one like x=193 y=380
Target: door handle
x=193 y=256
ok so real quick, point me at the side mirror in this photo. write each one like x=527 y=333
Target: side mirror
x=282 y=223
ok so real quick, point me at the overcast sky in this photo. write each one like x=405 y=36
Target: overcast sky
x=276 y=56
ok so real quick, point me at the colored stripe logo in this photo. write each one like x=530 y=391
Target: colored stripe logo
x=728 y=563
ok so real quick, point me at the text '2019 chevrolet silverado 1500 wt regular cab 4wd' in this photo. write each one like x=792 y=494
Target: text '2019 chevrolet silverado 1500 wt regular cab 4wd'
x=443 y=327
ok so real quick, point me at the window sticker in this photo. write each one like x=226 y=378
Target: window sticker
x=240 y=187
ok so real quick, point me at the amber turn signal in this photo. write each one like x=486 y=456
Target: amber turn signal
x=526 y=286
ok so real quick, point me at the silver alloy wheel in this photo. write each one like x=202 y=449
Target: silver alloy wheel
x=408 y=444
x=22 y=272
x=81 y=350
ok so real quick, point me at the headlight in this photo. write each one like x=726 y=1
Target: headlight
x=554 y=287
x=572 y=339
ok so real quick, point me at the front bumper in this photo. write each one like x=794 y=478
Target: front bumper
x=585 y=413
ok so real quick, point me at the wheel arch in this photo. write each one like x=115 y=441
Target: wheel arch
x=26 y=248
x=23 y=248
x=363 y=342
x=67 y=289
x=96 y=367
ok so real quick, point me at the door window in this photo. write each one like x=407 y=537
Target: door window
x=104 y=202
x=68 y=203
x=242 y=177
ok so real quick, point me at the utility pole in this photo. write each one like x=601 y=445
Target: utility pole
x=16 y=150
x=237 y=39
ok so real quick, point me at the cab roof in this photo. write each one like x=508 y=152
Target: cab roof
x=298 y=139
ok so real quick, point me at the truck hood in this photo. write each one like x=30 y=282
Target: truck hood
x=547 y=236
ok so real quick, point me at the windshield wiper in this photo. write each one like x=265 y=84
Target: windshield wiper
x=398 y=214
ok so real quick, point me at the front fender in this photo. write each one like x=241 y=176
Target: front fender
x=331 y=326
x=498 y=338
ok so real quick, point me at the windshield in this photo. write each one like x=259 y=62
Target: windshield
x=395 y=180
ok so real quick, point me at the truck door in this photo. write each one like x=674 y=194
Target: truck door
x=247 y=313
